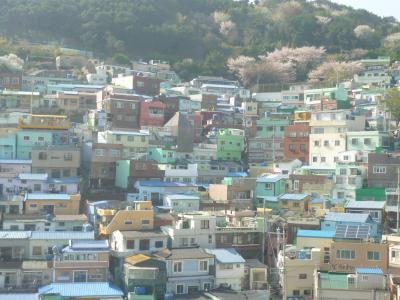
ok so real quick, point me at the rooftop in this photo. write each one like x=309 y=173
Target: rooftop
x=325 y=234
x=371 y=271
x=347 y=217
x=142 y=234
x=365 y=204
x=293 y=197
x=226 y=256
x=48 y=196
x=164 y=184
x=16 y=161
x=32 y=176
x=182 y=197
x=82 y=289
x=61 y=235
x=184 y=253
x=271 y=178
x=87 y=245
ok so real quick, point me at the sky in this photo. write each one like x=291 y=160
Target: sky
x=384 y=8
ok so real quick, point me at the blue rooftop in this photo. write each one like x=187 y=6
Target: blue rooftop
x=315 y=234
x=226 y=256
x=48 y=196
x=62 y=235
x=374 y=271
x=237 y=174
x=293 y=197
x=82 y=289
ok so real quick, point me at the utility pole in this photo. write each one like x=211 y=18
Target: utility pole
x=398 y=199
x=264 y=230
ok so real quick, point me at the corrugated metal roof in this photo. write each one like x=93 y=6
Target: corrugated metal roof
x=375 y=271
x=226 y=256
x=182 y=197
x=271 y=178
x=49 y=196
x=19 y=296
x=165 y=184
x=62 y=235
x=82 y=289
x=325 y=234
x=32 y=176
x=15 y=235
x=347 y=217
x=365 y=204
x=16 y=161
x=295 y=197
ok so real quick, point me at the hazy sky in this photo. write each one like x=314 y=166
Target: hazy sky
x=382 y=8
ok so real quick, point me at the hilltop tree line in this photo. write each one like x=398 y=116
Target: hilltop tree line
x=200 y=36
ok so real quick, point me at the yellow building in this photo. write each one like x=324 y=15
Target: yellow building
x=138 y=217
x=50 y=122
x=295 y=202
x=301 y=116
x=56 y=204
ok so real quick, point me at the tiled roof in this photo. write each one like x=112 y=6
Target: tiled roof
x=226 y=256
x=315 y=234
x=82 y=289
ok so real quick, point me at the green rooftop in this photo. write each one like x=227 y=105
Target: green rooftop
x=333 y=281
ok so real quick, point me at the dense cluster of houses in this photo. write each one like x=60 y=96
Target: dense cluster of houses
x=135 y=184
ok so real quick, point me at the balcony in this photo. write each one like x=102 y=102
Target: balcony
x=237 y=229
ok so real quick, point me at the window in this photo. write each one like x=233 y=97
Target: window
x=226 y=266
x=303 y=276
x=373 y=255
x=292 y=147
x=346 y=254
x=326 y=143
x=296 y=204
x=350 y=280
x=204 y=224
x=180 y=288
x=315 y=159
x=307 y=292
x=118 y=137
x=144 y=244
x=323 y=159
x=68 y=156
x=37 y=250
x=42 y=156
x=346 y=157
x=337 y=143
x=130 y=244
x=37 y=187
x=302 y=147
x=67 y=173
x=26 y=138
x=379 y=170
x=80 y=276
x=159 y=244
x=351 y=181
x=316 y=143
x=296 y=293
x=354 y=141
x=319 y=130
x=343 y=171
x=210 y=239
x=131 y=138
x=203 y=265
x=145 y=222
x=292 y=134
x=128 y=222
x=177 y=267
x=99 y=152
x=367 y=141
x=120 y=104
x=268 y=186
x=206 y=286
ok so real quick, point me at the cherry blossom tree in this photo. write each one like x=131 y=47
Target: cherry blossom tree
x=333 y=71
